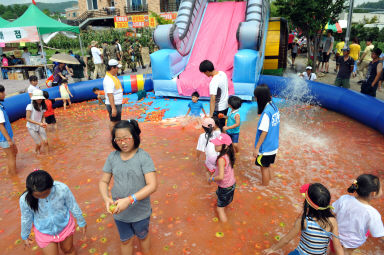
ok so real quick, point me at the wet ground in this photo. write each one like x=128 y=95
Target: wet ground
x=315 y=146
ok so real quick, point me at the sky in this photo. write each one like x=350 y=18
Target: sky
x=7 y=2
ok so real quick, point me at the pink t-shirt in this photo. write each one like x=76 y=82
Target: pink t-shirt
x=229 y=175
x=4 y=61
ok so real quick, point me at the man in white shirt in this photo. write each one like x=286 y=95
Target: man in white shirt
x=113 y=92
x=26 y=56
x=218 y=90
x=97 y=57
x=308 y=75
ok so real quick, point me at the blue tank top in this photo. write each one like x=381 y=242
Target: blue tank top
x=7 y=124
x=232 y=121
x=314 y=239
x=271 y=141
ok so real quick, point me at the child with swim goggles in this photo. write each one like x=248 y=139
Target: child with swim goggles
x=356 y=217
x=317 y=224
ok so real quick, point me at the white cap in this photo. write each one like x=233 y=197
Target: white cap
x=37 y=94
x=114 y=62
x=308 y=67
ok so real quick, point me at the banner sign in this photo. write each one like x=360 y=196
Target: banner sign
x=19 y=34
x=135 y=21
x=169 y=15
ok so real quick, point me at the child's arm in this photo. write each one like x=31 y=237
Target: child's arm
x=28 y=117
x=189 y=109
x=286 y=239
x=237 y=124
x=204 y=111
x=26 y=221
x=259 y=143
x=336 y=241
x=220 y=176
x=148 y=189
x=72 y=205
x=69 y=92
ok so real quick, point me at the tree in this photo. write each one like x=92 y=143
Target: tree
x=310 y=16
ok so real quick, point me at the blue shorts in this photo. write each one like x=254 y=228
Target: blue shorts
x=128 y=230
x=4 y=145
x=234 y=137
x=295 y=252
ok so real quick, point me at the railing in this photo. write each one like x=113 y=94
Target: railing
x=136 y=8
x=165 y=6
x=94 y=14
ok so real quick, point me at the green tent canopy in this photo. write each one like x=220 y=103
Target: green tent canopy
x=33 y=16
x=3 y=22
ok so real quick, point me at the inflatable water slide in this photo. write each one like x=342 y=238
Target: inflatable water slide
x=232 y=35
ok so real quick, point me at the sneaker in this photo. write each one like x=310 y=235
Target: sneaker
x=143 y=67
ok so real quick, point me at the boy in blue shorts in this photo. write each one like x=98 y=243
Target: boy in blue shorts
x=6 y=136
x=195 y=106
x=233 y=121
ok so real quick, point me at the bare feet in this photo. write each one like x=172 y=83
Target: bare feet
x=222 y=214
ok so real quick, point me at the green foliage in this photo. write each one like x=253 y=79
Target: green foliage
x=160 y=20
x=363 y=33
x=62 y=42
x=273 y=10
x=11 y=12
x=370 y=6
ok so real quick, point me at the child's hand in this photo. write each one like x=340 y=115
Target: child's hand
x=268 y=251
x=84 y=231
x=43 y=125
x=225 y=128
x=108 y=203
x=28 y=242
x=121 y=205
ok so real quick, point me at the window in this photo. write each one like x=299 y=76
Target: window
x=74 y=14
x=92 y=4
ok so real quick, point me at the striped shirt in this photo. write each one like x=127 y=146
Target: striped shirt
x=314 y=239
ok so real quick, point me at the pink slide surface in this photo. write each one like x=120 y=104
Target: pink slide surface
x=216 y=42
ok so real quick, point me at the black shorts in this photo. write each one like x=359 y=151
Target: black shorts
x=50 y=119
x=265 y=160
x=225 y=195
x=118 y=115
x=326 y=57
x=294 y=55
x=289 y=46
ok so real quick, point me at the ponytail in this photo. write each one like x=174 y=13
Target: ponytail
x=229 y=151
x=208 y=133
x=37 y=181
x=365 y=184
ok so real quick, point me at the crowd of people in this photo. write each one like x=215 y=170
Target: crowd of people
x=340 y=227
x=350 y=62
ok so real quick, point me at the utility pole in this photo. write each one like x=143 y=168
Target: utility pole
x=349 y=25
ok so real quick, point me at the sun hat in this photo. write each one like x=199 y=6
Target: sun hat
x=94 y=43
x=222 y=139
x=114 y=62
x=207 y=122
x=308 y=68
x=37 y=94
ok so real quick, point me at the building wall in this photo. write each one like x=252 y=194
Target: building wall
x=71 y=14
x=153 y=5
x=359 y=17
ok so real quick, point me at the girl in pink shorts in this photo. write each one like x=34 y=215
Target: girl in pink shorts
x=50 y=207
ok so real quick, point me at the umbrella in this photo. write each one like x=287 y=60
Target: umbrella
x=334 y=27
x=65 y=58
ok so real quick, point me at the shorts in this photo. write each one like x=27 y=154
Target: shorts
x=265 y=160
x=289 y=46
x=128 y=230
x=50 y=119
x=118 y=115
x=225 y=195
x=43 y=240
x=38 y=135
x=326 y=57
x=5 y=144
x=295 y=252
x=234 y=137
x=339 y=82
x=294 y=55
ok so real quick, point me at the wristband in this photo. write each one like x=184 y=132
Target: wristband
x=213 y=178
x=134 y=199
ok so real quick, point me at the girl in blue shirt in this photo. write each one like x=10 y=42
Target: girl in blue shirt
x=50 y=207
x=267 y=135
